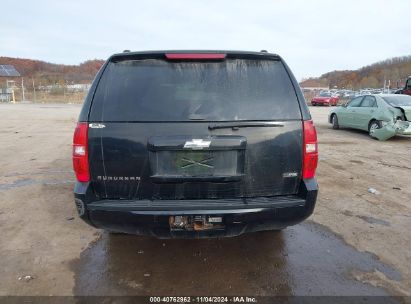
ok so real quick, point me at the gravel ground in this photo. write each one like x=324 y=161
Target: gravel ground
x=46 y=250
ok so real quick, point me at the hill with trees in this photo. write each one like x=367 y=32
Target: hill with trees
x=394 y=71
x=49 y=73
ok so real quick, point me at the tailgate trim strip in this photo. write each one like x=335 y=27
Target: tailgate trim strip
x=256 y=203
x=183 y=179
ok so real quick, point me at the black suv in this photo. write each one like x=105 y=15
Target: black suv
x=194 y=144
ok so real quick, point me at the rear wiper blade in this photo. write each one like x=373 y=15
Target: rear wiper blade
x=237 y=125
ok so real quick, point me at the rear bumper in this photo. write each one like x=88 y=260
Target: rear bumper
x=405 y=132
x=239 y=216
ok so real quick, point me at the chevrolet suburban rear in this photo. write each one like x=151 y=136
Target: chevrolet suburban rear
x=194 y=144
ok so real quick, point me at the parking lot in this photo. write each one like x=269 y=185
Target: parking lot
x=356 y=243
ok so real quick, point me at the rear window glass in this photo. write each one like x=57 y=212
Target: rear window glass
x=229 y=90
x=399 y=100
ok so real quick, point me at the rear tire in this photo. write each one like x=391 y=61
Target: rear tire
x=334 y=121
x=374 y=125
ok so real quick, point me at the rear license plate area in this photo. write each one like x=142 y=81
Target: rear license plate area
x=196 y=222
x=196 y=163
x=171 y=160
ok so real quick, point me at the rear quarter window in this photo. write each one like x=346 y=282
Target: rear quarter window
x=229 y=90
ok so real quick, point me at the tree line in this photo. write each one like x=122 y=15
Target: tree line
x=45 y=73
x=393 y=71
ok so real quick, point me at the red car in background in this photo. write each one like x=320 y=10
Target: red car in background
x=325 y=99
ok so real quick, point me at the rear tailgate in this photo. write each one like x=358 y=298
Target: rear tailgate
x=256 y=161
x=197 y=129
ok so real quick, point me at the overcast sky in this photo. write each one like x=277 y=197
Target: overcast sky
x=314 y=37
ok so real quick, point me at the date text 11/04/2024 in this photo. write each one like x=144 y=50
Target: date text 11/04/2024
x=203 y=299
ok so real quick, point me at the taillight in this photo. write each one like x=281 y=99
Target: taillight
x=310 y=149
x=80 y=152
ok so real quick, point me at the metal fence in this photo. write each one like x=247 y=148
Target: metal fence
x=71 y=93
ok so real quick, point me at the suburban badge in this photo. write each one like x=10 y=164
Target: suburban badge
x=96 y=126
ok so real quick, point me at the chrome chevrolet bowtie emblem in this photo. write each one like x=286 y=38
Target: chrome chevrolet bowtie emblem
x=197 y=144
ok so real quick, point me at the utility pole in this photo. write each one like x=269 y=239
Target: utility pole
x=34 y=90
x=23 y=98
x=64 y=91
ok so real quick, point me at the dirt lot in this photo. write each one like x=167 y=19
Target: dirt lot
x=355 y=243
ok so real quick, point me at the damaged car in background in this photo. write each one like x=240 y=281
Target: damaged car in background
x=382 y=115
